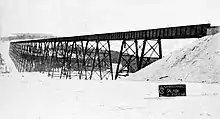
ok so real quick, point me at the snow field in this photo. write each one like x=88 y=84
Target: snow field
x=34 y=95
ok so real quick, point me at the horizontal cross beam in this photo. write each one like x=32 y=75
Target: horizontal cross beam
x=190 y=31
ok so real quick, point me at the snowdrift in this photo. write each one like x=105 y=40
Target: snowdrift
x=197 y=62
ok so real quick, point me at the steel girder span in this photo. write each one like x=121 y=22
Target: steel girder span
x=92 y=57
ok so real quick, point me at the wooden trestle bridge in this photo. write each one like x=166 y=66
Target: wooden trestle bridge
x=93 y=56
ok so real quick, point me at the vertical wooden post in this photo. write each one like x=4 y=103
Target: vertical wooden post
x=119 y=59
x=84 y=59
x=94 y=60
x=70 y=59
x=110 y=59
x=142 y=54
x=137 y=57
x=160 y=48
x=78 y=69
x=99 y=62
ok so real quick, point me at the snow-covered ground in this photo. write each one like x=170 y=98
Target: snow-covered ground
x=196 y=62
x=36 y=96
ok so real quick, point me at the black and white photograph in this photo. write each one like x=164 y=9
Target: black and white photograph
x=109 y=59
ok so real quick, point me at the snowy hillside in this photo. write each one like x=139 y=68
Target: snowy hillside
x=197 y=62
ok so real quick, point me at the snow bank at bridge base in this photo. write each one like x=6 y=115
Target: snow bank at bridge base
x=197 y=62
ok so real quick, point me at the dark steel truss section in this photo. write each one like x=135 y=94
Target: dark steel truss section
x=91 y=57
x=189 y=31
x=86 y=60
x=137 y=54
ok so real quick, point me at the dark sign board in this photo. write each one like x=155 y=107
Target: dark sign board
x=172 y=90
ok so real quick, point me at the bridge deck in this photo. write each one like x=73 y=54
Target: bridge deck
x=94 y=57
x=190 y=31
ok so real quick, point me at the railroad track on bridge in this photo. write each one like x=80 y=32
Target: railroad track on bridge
x=92 y=56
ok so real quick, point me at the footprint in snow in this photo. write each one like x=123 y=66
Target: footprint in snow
x=205 y=114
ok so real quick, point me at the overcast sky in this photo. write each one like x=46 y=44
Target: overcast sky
x=78 y=17
x=75 y=17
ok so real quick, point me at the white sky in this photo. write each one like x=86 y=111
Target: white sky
x=78 y=17
x=75 y=17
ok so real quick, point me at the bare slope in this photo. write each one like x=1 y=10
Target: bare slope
x=197 y=62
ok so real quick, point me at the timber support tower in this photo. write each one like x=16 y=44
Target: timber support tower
x=92 y=56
